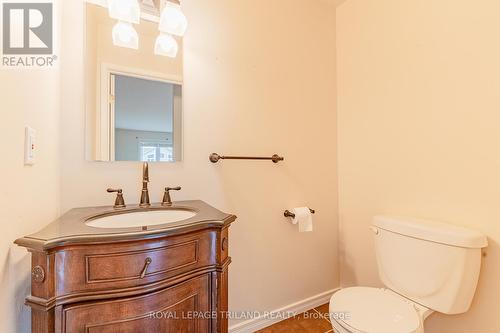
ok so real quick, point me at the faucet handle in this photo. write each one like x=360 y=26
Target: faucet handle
x=119 y=202
x=178 y=188
x=167 y=200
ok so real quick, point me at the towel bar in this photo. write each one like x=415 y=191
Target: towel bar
x=214 y=158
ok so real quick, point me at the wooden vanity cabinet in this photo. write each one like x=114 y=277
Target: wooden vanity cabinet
x=184 y=307
x=173 y=283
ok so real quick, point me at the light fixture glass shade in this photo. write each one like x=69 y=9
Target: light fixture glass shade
x=124 y=35
x=172 y=20
x=125 y=10
x=166 y=45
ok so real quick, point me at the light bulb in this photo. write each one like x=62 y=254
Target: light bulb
x=124 y=35
x=166 y=45
x=125 y=10
x=172 y=20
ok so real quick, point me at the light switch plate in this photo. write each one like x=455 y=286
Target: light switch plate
x=29 y=146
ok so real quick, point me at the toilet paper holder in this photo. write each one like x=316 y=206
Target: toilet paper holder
x=288 y=213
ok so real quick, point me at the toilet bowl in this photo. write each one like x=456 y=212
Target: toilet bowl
x=426 y=266
x=373 y=310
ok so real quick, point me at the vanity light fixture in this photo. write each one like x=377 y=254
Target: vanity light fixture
x=166 y=45
x=172 y=22
x=126 y=12
x=172 y=19
x=124 y=35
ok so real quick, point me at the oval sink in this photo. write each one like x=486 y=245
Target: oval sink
x=140 y=219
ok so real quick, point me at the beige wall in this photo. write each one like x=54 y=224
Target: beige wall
x=259 y=78
x=419 y=130
x=29 y=195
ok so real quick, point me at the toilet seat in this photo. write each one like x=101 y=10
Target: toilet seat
x=373 y=310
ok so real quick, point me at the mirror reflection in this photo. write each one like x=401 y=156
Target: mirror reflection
x=145 y=115
x=133 y=96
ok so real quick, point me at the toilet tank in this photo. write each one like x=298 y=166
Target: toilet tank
x=434 y=264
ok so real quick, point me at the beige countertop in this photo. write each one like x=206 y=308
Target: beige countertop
x=71 y=228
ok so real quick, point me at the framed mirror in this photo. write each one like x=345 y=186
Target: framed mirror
x=133 y=96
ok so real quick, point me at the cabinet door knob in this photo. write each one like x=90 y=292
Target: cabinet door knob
x=146 y=265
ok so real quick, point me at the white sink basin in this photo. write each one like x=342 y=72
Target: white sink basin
x=141 y=219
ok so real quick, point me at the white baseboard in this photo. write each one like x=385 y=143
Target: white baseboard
x=255 y=324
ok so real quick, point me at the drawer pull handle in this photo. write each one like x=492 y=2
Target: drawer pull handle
x=146 y=265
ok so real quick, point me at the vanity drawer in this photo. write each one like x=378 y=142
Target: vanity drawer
x=180 y=308
x=140 y=264
x=127 y=265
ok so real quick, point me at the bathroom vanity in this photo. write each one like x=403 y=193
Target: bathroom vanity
x=170 y=277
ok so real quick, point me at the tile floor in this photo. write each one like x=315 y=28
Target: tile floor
x=312 y=321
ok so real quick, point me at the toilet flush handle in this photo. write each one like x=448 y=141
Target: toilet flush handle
x=375 y=230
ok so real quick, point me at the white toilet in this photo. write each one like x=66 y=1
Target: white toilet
x=427 y=266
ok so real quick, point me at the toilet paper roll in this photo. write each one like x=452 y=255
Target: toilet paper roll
x=303 y=217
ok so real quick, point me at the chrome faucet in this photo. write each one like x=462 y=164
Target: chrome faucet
x=145 y=180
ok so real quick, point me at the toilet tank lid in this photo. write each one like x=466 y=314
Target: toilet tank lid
x=433 y=231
